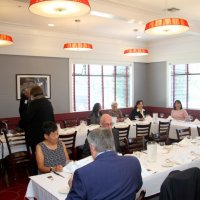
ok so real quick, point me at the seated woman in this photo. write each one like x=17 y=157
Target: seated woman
x=115 y=112
x=138 y=111
x=95 y=114
x=51 y=154
x=178 y=112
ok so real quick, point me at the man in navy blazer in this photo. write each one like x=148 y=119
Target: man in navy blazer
x=109 y=176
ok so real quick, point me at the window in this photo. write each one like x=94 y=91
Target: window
x=185 y=85
x=100 y=83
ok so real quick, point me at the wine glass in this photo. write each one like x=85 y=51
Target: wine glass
x=161 y=115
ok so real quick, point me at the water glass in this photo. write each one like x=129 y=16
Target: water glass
x=162 y=115
x=152 y=151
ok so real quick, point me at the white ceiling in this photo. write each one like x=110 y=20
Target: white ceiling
x=15 y=13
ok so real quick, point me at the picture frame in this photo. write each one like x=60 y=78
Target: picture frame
x=29 y=80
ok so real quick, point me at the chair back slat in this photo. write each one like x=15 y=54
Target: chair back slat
x=19 y=153
x=69 y=140
x=164 y=127
x=123 y=132
x=181 y=133
x=143 y=130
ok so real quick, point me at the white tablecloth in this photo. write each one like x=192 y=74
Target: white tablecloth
x=154 y=173
x=82 y=131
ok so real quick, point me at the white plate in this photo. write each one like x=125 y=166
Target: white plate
x=64 y=190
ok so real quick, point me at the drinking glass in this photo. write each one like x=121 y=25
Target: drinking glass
x=136 y=117
x=161 y=115
x=152 y=151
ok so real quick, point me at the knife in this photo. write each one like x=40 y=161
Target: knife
x=58 y=174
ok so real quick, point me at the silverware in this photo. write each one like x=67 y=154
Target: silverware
x=58 y=174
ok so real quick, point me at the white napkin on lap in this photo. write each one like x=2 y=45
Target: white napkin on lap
x=196 y=122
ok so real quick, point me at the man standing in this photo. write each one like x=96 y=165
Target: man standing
x=105 y=122
x=23 y=106
x=109 y=176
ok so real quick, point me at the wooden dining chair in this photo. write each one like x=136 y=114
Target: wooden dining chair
x=181 y=133
x=163 y=132
x=19 y=154
x=69 y=141
x=133 y=144
x=70 y=123
x=123 y=133
x=198 y=129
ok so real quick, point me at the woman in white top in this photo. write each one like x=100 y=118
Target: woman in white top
x=178 y=112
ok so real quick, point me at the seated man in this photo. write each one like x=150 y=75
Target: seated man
x=105 y=122
x=115 y=112
x=109 y=176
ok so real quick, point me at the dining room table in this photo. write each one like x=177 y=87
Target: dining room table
x=178 y=156
x=82 y=130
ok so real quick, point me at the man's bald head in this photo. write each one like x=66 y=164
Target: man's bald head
x=106 y=121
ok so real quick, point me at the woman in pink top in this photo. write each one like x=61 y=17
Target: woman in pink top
x=178 y=112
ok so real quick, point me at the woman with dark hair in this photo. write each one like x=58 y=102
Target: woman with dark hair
x=138 y=111
x=178 y=112
x=95 y=114
x=51 y=154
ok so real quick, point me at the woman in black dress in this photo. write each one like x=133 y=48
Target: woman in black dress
x=138 y=111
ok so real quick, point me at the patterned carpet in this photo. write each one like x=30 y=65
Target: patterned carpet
x=16 y=189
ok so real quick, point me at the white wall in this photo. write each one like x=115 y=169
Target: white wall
x=48 y=43
x=182 y=49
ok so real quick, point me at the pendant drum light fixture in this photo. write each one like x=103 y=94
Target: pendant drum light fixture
x=5 y=40
x=78 y=46
x=59 y=8
x=136 y=52
x=167 y=26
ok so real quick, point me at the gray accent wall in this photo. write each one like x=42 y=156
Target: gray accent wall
x=150 y=83
x=10 y=65
x=140 y=82
x=157 y=84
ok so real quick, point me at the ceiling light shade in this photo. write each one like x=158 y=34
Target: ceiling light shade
x=59 y=8
x=136 y=52
x=5 y=40
x=167 y=26
x=78 y=46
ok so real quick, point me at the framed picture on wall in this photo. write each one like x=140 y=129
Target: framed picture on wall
x=29 y=80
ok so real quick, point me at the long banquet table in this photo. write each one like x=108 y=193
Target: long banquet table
x=82 y=130
x=178 y=156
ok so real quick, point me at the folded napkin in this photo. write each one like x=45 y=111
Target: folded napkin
x=127 y=120
x=70 y=167
x=170 y=117
x=84 y=161
x=195 y=150
x=184 y=142
x=180 y=158
x=93 y=126
x=196 y=122
x=121 y=125
x=66 y=131
x=148 y=118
